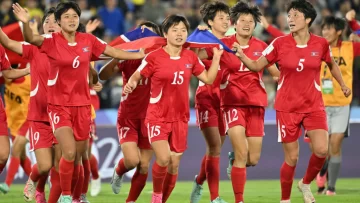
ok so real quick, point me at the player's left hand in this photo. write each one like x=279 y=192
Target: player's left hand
x=346 y=90
x=92 y=25
x=98 y=87
x=217 y=53
x=129 y=87
x=237 y=48
x=21 y=13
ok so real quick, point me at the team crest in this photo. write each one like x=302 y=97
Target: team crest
x=188 y=65
x=314 y=53
x=85 y=49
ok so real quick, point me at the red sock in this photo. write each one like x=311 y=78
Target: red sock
x=138 y=183
x=315 y=165
x=34 y=175
x=75 y=177
x=158 y=174
x=169 y=183
x=55 y=190
x=40 y=187
x=202 y=174
x=286 y=180
x=86 y=165
x=78 y=188
x=238 y=180
x=94 y=167
x=121 y=168
x=66 y=173
x=26 y=165
x=2 y=166
x=12 y=170
x=212 y=168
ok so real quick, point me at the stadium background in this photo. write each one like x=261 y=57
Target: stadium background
x=119 y=16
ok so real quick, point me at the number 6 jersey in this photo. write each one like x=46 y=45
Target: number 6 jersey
x=68 y=83
x=299 y=88
x=170 y=79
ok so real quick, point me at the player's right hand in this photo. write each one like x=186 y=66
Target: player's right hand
x=203 y=27
x=217 y=53
x=129 y=87
x=346 y=91
x=239 y=52
x=264 y=22
x=21 y=13
x=350 y=15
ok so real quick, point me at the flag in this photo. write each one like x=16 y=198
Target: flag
x=205 y=39
x=132 y=35
x=14 y=32
x=357 y=32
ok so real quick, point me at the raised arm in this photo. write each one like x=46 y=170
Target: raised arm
x=270 y=29
x=108 y=70
x=10 y=44
x=335 y=72
x=350 y=17
x=123 y=55
x=209 y=76
x=24 y=17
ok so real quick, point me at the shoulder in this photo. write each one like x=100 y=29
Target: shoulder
x=153 y=54
x=260 y=42
x=321 y=40
x=281 y=39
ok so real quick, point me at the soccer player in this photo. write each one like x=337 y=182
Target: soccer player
x=9 y=73
x=69 y=110
x=207 y=104
x=132 y=131
x=169 y=68
x=337 y=106
x=299 y=56
x=41 y=136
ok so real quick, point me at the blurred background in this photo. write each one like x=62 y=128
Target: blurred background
x=120 y=16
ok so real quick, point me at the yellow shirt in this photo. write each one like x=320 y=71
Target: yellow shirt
x=331 y=90
x=17 y=97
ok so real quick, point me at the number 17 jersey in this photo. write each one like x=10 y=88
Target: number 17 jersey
x=68 y=83
x=299 y=88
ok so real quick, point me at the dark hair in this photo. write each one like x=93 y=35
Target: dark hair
x=241 y=8
x=209 y=10
x=154 y=26
x=337 y=23
x=47 y=13
x=81 y=28
x=172 y=20
x=304 y=7
x=64 y=7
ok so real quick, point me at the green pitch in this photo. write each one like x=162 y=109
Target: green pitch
x=256 y=192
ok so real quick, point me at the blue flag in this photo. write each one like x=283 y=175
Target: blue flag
x=132 y=36
x=204 y=38
x=357 y=32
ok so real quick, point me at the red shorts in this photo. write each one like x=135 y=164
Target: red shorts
x=23 y=131
x=76 y=117
x=250 y=117
x=208 y=116
x=133 y=130
x=41 y=135
x=3 y=121
x=174 y=132
x=289 y=124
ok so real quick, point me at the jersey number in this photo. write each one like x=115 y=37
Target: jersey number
x=231 y=116
x=154 y=131
x=242 y=68
x=76 y=62
x=203 y=117
x=178 y=78
x=301 y=65
x=143 y=81
x=123 y=131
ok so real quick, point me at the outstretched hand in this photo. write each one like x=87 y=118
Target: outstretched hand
x=21 y=13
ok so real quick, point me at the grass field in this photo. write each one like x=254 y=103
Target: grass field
x=348 y=191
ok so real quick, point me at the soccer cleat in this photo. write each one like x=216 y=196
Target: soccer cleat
x=320 y=180
x=156 y=198
x=83 y=199
x=95 y=187
x=29 y=190
x=330 y=191
x=40 y=197
x=285 y=201
x=196 y=192
x=231 y=157
x=308 y=197
x=218 y=200
x=65 y=199
x=321 y=190
x=4 y=188
x=116 y=182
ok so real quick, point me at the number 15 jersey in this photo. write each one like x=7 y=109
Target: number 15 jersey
x=68 y=83
x=299 y=88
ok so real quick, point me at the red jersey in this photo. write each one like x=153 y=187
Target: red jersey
x=134 y=105
x=39 y=68
x=95 y=101
x=170 y=79
x=209 y=93
x=4 y=62
x=68 y=83
x=299 y=88
x=240 y=86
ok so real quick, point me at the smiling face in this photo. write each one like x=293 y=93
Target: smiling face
x=221 y=22
x=296 y=20
x=177 y=34
x=245 y=25
x=69 y=21
x=330 y=34
x=50 y=25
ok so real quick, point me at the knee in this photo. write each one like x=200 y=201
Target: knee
x=321 y=151
x=163 y=160
x=69 y=154
x=44 y=168
x=214 y=150
x=253 y=159
x=131 y=162
x=292 y=159
x=241 y=154
x=173 y=168
x=144 y=166
x=3 y=159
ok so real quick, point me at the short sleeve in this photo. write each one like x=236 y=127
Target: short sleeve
x=199 y=67
x=48 y=43
x=146 y=67
x=326 y=57
x=4 y=61
x=271 y=52
x=29 y=51
x=356 y=48
x=98 y=46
